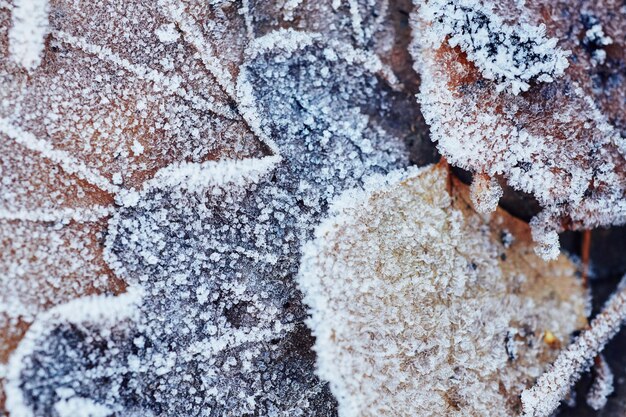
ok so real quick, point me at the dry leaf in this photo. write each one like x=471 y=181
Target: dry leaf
x=420 y=306
x=533 y=92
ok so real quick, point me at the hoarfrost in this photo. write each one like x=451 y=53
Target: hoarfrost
x=511 y=55
x=602 y=385
x=544 y=397
x=167 y=33
x=485 y=193
x=190 y=148
x=28 y=30
x=418 y=308
x=68 y=256
x=73 y=323
x=595 y=39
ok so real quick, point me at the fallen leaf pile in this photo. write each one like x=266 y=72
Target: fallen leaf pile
x=186 y=182
x=208 y=208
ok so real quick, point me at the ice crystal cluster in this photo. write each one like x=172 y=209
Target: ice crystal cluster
x=29 y=26
x=563 y=140
x=602 y=386
x=511 y=55
x=420 y=308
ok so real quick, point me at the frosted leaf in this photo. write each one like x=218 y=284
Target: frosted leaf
x=544 y=397
x=70 y=325
x=213 y=246
x=31 y=185
x=562 y=142
x=221 y=30
x=367 y=24
x=108 y=106
x=420 y=307
x=356 y=21
x=42 y=265
x=109 y=83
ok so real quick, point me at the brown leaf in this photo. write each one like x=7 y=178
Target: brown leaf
x=562 y=138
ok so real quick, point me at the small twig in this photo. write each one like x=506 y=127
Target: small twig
x=602 y=385
x=450 y=184
x=585 y=256
x=542 y=399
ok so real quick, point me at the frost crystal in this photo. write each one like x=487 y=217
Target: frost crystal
x=563 y=141
x=485 y=193
x=511 y=55
x=602 y=385
x=596 y=40
x=153 y=121
x=28 y=31
x=419 y=309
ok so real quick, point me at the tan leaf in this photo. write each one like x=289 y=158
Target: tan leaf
x=420 y=306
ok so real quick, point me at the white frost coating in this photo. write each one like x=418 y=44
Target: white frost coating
x=249 y=112
x=45 y=261
x=61 y=215
x=171 y=84
x=81 y=407
x=199 y=177
x=485 y=193
x=98 y=309
x=28 y=31
x=596 y=34
x=543 y=398
x=69 y=163
x=193 y=35
x=602 y=385
x=553 y=143
x=413 y=311
x=288 y=40
x=291 y=41
x=289 y=7
x=247 y=17
x=167 y=33
x=356 y=20
x=512 y=56
x=137 y=147
x=596 y=37
x=117 y=178
x=546 y=238
x=215 y=245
